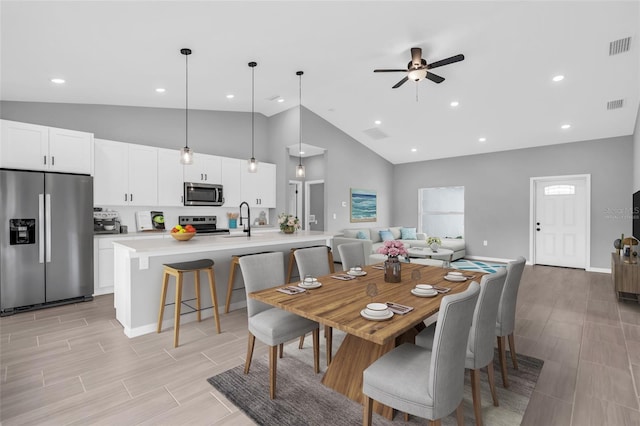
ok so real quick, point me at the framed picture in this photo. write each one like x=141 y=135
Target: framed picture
x=363 y=205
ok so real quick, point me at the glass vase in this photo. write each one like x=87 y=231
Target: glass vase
x=392 y=270
x=288 y=229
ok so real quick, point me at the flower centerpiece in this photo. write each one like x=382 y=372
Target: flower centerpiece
x=288 y=223
x=434 y=243
x=392 y=249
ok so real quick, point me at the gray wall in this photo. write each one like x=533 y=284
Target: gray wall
x=221 y=133
x=636 y=154
x=497 y=192
x=347 y=164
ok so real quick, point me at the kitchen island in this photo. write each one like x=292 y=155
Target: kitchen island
x=138 y=272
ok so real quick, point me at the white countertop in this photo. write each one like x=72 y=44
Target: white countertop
x=201 y=243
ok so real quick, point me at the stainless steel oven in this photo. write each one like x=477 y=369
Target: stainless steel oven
x=202 y=194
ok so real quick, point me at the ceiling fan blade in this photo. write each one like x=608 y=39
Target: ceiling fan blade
x=451 y=60
x=389 y=70
x=400 y=83
x=416 y=56
x=435 y=78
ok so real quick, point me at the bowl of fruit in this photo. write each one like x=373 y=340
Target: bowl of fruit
x=183 y=233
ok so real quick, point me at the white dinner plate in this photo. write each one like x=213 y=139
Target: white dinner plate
x=431 y=293
x=357 y=274
x=314 y=285
x=455 y=278
x=379 y=318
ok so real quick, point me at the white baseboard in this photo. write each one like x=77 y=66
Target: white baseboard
x=601 y=270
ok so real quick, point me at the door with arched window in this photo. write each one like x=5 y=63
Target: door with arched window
x=561 y=218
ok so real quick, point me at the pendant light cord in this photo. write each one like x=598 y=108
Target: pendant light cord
x=186 y=109
x=300 y=126
x=253 y=119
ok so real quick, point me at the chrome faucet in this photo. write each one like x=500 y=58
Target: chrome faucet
x=248 y=217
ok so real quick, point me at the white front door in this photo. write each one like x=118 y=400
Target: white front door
x=560 y=221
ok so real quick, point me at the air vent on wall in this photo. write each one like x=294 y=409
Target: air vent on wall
x=615 y=104
x=619 y=46
x=375 y=133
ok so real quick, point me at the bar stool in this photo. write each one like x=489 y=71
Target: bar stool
x=235 y=262
x=177 y=270
x=292 y=260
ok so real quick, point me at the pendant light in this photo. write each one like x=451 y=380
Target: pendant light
x=186 y=154
x=300 y=168
x=252 y=163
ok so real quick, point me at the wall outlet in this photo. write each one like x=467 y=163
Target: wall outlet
x=484 y=242
x=335 y=216
x=344 y=204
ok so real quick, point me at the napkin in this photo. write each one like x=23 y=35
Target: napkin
x=291 y=290
x=343 y=277
x=398 y=308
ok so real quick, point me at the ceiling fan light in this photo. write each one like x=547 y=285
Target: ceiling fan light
x=417 y=75
x=252 y=165
x=186 y=155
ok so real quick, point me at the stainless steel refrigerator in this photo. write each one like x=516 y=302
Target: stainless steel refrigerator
x=46 y=239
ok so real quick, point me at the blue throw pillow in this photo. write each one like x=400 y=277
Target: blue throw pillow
x=386 y=235
x=362 y=236
x=408 y=234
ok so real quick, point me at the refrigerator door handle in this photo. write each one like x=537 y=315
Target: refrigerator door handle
x=47 y=224
x=41 y=228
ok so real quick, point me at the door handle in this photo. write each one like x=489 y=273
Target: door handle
x=131 y=197
x=537 y=229
x=44 y=161
x=53 y=160
x=205 y=177
x=47 y=220
x=125 y=196
x=41 y=228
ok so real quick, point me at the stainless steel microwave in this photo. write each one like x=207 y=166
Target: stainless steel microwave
x=202 y=194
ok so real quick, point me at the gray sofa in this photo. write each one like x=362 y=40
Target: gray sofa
x=370 y=237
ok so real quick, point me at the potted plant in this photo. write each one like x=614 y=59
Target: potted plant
x=288 y=223
x=434 y=243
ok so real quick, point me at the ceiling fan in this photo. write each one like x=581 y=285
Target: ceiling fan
x=418 y=68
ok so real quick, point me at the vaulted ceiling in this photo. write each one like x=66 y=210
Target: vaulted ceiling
x=119 y=53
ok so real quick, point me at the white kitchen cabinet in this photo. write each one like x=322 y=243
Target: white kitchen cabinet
x=205 y=169
x=170 y=176
x=34 y=147
x=259 y=189
x=125 y=174
x=231 y=181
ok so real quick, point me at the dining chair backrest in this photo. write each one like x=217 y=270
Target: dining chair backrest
x=261 y=271
x=446 y=381
x=482 y=334
x=351 y=254
x=312 y=261
x=506 y=319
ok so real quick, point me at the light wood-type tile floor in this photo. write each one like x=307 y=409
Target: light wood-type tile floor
x=73 y=364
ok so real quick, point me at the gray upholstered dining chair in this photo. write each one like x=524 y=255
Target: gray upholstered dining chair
x=480 y=349
x=428 y=383
x=313 y=261
x=270 y=325
x=506 y=320
x=351 y=254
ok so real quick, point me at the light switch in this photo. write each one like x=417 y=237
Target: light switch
x=335 y=216
x=344 y=204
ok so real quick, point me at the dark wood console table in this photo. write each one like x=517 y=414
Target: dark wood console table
x=625 y=273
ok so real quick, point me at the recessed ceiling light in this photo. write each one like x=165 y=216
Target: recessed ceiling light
x=160 y=90
x=414 y=149
x=565 y=126
x=280 y=100
x=378 y=122
x=454 y=104
x=482 y=140
x=558 y=78
x=230 y=96
x=57 y=80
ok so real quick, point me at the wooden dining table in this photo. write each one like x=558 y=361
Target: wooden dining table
x=338 y=304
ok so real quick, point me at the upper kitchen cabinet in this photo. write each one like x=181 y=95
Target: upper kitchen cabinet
x=34 y=147
x=259 y=189
x=125 y=174
x=205 y=169
x=231 y=181
x=170 y=170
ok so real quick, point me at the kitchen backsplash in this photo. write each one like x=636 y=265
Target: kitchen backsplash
x=128 y=214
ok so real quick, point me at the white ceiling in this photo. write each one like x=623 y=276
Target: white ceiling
x=118 y=53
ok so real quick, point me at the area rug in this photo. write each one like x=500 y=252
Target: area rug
x=477 y=266
x=303 y=400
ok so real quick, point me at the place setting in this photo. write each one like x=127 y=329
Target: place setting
x=377 y=312
x=356 y=271
x=309 y=282
x=424 y=290
x=455 y=276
